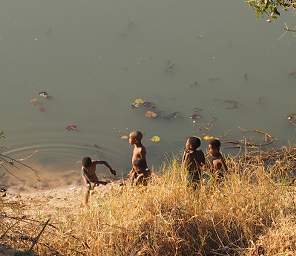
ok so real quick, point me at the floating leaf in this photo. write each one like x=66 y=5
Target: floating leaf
x=208 y=137
x=151 y=114
x=124 y=137
x=138 y=102
x=155 y=139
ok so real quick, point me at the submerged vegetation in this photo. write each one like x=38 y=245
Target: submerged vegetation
x=252 y=212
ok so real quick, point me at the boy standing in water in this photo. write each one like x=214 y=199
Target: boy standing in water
x=193 y=160
x=89 y=176
x=139 y=152
x=217 y=161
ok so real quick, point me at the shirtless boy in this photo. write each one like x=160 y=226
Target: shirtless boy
x=89 y=177
x=139 y=151
x=217 y=161
x=193 y=160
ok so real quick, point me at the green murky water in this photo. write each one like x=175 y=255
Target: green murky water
x=95 y=57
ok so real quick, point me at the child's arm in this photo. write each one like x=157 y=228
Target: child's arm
x=107 y=165
x=224 y=164
x=202 y=161
x=142 y=153
x=85 y=180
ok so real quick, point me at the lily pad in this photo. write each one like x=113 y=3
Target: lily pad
x=138 y=103
x=208 y=138
x=151 y=114
x=155 y=139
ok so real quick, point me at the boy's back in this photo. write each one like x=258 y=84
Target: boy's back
x=194 y=160
x=139 y=152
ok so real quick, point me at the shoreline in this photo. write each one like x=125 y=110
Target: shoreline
x=252 y=205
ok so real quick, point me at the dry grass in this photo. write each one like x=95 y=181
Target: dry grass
x=250 y=212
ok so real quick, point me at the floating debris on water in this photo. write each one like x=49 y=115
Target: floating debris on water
x=292 y=118
x=124 y=137
x=151 y=114
x=208 y=138
x=43 y=94
x=149 y=105
x=138 y=103
x=155 y=139
x=97 y=146
x=152 y=111
x=267 y=138
x=71 y=127
x=196 y=115
x=170 y=67
x=171 y=116
x=230 y=104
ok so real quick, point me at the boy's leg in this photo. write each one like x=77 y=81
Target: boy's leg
x=139 y=179
x=133 y=177
x=86 y=194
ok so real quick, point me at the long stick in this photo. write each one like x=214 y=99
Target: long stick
x=38 y=236
x=5 y=157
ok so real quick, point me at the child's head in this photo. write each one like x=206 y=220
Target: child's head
x=135 y=137
x=214 y=146
x=139 y=164
x=86 y=162
x=193 y=143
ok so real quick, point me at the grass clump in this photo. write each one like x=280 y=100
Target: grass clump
x=250 y=211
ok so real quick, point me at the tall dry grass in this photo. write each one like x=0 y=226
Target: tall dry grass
x=251 y=211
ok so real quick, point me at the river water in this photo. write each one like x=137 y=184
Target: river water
x=96 y=57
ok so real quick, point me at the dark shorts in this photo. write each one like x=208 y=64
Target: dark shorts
x=194 y=177
x=143 y=177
